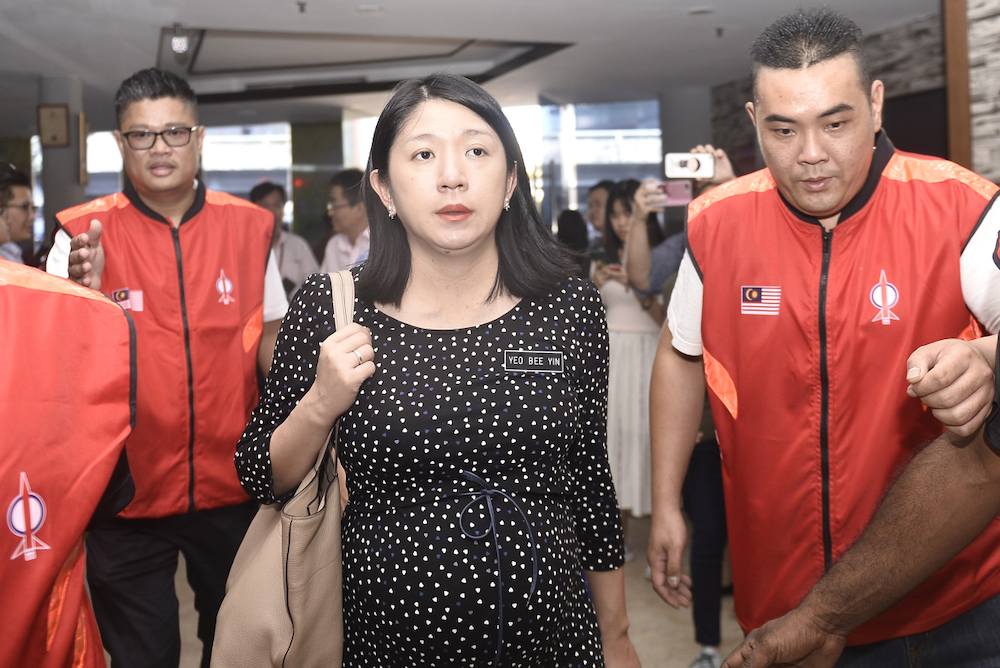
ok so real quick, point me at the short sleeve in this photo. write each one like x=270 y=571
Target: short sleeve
x=275 y=301
x=684 y=310
x=57 y=262
x=980 y=269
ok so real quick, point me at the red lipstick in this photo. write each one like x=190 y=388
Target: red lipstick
x=454 y=212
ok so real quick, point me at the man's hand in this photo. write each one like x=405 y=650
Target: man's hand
x=723 y=168
x=667 y=537
x=86 y=257
x=797 y=639
x=955 y=379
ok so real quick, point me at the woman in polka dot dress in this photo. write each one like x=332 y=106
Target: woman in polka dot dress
x=472 y=389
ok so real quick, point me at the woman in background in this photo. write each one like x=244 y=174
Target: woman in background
x=634 y=328
x=471 y=390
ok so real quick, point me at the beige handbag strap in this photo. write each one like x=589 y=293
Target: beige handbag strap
x=342 y=284
x=343 y=298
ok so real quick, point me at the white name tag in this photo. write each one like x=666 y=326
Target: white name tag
x=540 y=361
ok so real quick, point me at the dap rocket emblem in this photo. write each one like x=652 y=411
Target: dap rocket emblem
x=884 y=296
x=25 y=517
x=225 y=288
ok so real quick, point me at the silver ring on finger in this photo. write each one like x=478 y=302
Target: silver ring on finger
x=360 y=361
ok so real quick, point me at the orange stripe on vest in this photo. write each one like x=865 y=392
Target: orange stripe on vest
x=904 y=167
x=721 y=383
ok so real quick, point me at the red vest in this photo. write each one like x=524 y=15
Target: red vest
x=196 y=295
x=65 y=412
x=806 y=336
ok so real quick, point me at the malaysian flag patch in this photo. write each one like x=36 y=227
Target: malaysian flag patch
x=130 y=299
x=760 y=300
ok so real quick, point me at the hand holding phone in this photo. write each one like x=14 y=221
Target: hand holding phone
x=678 y=193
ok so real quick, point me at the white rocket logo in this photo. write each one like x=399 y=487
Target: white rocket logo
x=225 y=288
x=25 y=517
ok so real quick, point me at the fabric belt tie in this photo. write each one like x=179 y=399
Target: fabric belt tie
x=485 y=493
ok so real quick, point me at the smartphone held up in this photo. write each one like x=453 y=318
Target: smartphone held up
x=689 y=165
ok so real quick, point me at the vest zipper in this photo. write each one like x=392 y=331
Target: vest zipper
x=824 y=418
x=190 y=370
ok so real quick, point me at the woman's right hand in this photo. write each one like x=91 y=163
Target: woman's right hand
x=648 y=198
x=346 y=360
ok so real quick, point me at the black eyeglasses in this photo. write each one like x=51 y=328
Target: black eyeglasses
x=29 y=209
x=140 y=140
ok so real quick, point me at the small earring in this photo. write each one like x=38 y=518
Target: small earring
x=392 y=213
x=506 y=204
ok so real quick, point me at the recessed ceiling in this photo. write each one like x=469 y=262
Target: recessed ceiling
x=243 y=65
x=641 y=49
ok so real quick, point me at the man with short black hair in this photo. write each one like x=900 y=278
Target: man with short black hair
x=802 y=291
x=350 y=222
x=17 y=210
x=195 y=269
x=295 y=259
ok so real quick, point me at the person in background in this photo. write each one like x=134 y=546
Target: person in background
x=295 y=259
x=597 y=201
x=17 y=210
x=572 y=231
x=648 y=269
x=195 y=270
x=701 y=493
x=633 y=325
x=67 y=393
x=471 y=391
x=349 y=220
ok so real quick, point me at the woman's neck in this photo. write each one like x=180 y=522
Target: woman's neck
x=449 y=292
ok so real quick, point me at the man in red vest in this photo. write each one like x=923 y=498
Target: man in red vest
x=67 y=398
x=195 y=270
x=802 y=292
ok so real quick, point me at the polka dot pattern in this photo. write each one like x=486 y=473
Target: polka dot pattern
x=422 y=582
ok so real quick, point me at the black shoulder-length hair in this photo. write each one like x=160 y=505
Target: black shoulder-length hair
x=531 y=262
x=624 y=192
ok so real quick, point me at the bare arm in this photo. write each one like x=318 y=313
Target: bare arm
x=295 y=443
x=676 y=401
x=945 y=498
x=265 y=347
x=608 y=591
x=637 y=251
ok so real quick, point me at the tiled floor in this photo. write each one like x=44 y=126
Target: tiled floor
x=663 y=637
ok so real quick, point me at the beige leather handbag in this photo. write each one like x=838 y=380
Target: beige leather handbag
x=284 y=596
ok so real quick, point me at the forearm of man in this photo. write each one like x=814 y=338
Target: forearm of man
x=944 y=499
x=637 y=255
x=676 y=400
x=265 y=348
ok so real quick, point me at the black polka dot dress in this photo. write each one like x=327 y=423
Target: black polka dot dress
x=478 y=481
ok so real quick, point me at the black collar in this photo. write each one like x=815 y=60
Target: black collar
x=884 y=150
x=194 y=210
